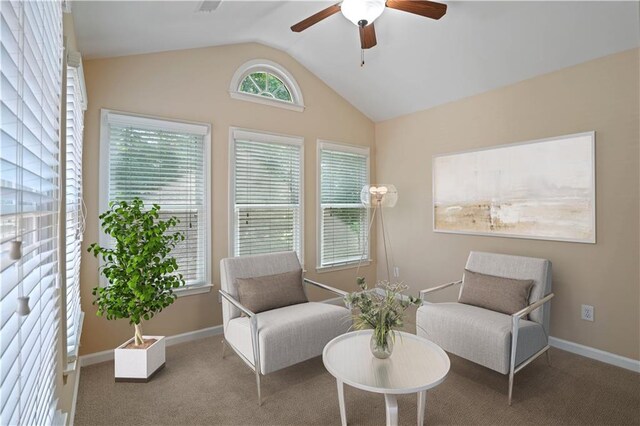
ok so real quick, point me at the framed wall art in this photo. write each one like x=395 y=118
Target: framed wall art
x=542 y=189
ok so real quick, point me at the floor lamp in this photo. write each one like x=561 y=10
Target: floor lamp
x=376 y=197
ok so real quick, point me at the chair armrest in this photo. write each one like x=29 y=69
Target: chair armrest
x=326 y=287
x=532 y=307
x=424 y=292
x=235 y=303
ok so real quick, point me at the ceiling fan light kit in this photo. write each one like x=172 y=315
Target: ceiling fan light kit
x=362 y=12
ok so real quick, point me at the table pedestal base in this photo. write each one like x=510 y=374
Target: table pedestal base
x=391 y=406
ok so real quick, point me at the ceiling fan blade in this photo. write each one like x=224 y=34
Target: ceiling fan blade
x=429 y=9
x=314 y=19
x=368 y=36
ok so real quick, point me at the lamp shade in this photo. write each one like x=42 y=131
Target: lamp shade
x=365 y=11
x=381 y=195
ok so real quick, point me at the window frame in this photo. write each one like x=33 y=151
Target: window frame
x=264 y=65
x=108 y=116
x=266 y=137
x=341 y=147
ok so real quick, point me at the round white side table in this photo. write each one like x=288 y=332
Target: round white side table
x=415 y=366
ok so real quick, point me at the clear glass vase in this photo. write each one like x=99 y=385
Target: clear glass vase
x=381 y=349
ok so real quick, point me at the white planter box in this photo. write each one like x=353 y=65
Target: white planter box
x=139 y=365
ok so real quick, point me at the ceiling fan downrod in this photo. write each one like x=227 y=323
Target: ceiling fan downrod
x=362 y=23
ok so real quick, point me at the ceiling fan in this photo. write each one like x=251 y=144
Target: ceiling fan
x=363 y=12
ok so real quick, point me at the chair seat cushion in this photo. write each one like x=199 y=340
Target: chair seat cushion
x=289 y=335
x=479 y=335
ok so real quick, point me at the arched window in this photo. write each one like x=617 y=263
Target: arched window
x=266 y=82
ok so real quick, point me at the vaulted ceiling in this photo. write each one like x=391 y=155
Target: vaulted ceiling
x=418 y=63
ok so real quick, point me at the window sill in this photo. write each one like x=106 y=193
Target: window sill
x=266 y=101
x=191 y=290
x=342 y=266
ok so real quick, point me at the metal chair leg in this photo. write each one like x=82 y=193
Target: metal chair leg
x=224 y=346
x=510 y=386
x=548 y=357
x=258 y=384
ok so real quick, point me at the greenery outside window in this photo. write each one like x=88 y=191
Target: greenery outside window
x=265 y=84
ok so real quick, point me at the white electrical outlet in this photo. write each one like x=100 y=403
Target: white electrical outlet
x=587 y=313
x=396 y=271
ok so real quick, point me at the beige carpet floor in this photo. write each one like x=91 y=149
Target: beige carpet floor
x=197 y=387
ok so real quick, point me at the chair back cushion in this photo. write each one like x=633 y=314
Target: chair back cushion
x=249 y=267
x=271 y=291
x=521 y=268
x=505 y=295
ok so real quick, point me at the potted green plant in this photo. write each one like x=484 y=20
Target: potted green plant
x=142 y=276
x=381 y=309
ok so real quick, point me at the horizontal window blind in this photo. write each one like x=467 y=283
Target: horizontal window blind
x=343 y=218
x=267 y=197
x=163 y=162
x=31 y=71
x=74 y=224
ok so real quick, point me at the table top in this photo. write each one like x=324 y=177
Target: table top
x=416 y=363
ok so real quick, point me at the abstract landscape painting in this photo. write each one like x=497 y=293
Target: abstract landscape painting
x=541 y=189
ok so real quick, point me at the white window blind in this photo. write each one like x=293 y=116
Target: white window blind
x=74 y=224
x=162 y=162
x=343 y=219
x=267 y=194
x=31 y=71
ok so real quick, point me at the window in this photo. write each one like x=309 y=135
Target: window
x=30 y=98
x=164 y=162
x=343 y=224
x=73 y=216
x=268 y=83
x=266 y=180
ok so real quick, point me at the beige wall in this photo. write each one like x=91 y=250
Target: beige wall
x=193 y=85
x=601 y=95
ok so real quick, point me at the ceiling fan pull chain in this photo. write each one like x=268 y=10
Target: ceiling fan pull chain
x=361 y=57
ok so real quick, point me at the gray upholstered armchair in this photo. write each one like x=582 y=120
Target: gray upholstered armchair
x=501 y=342
x=277 y=338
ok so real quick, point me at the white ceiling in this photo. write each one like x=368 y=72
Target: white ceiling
x=418 y=63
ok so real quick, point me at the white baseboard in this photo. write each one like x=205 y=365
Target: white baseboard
x=103 y=356
x=194 y=335
x=597 y=354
